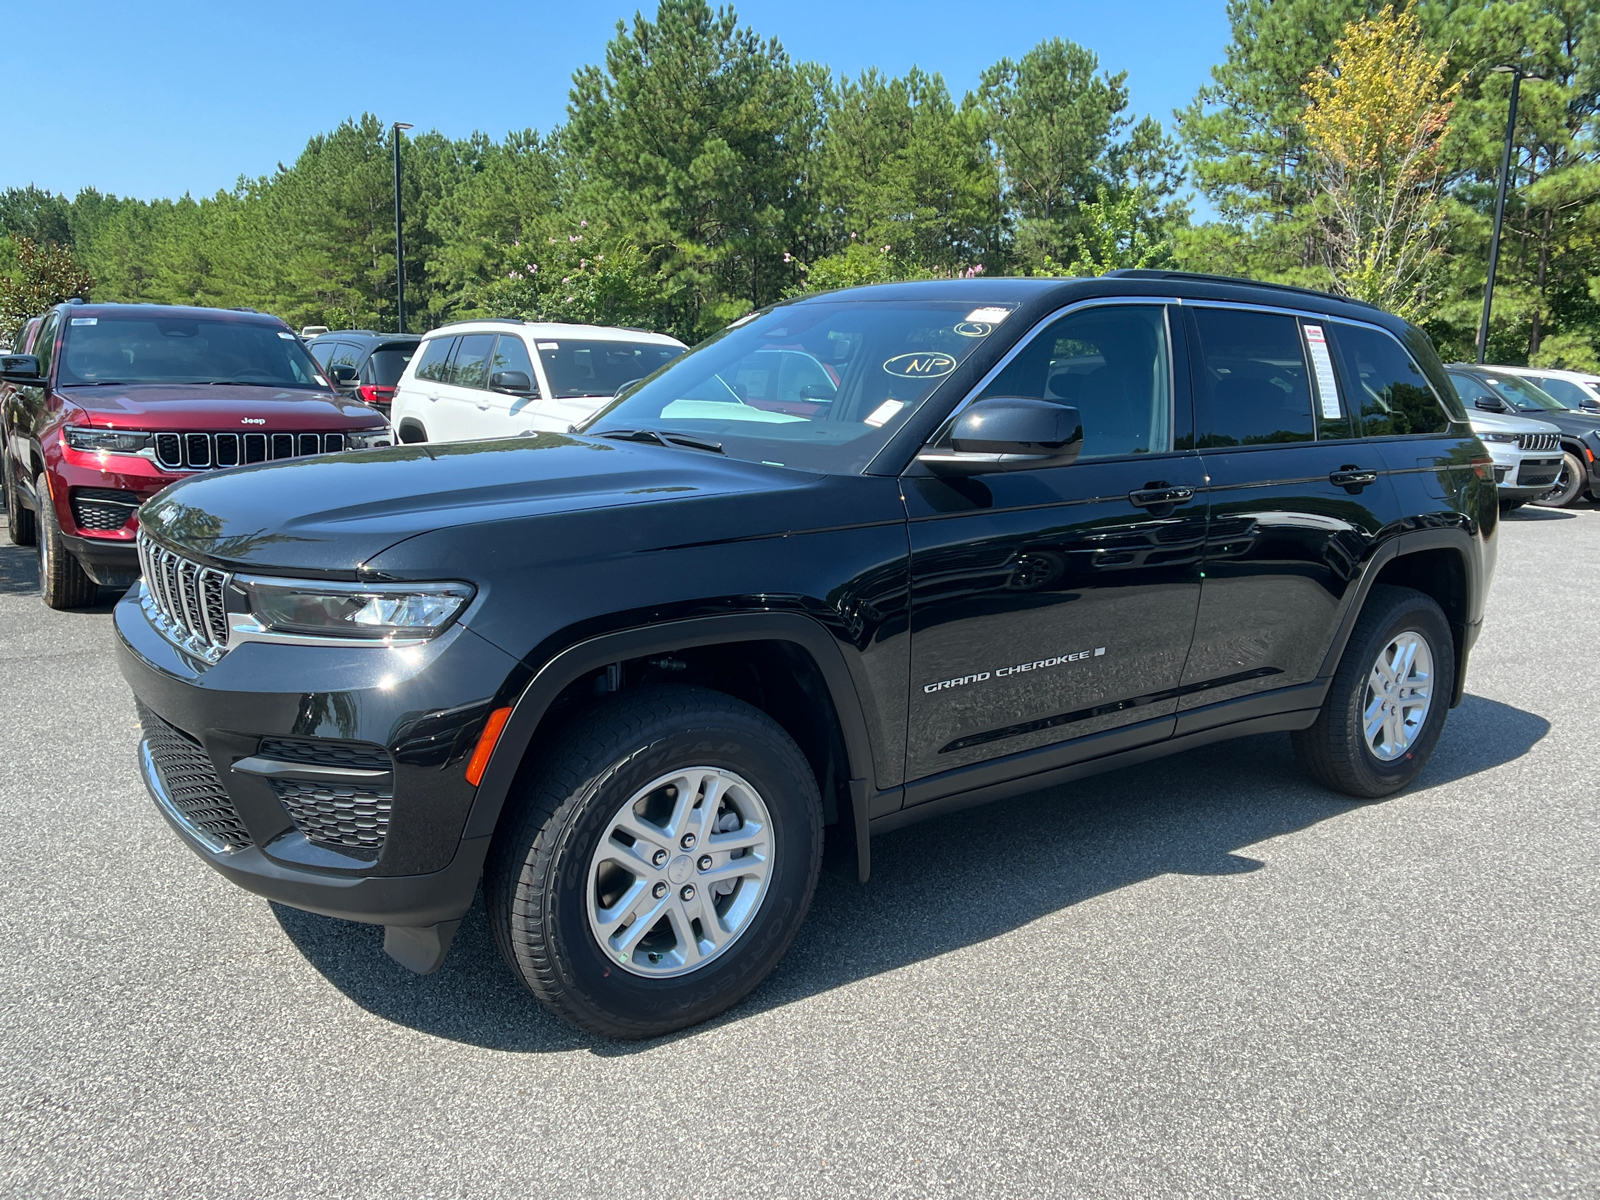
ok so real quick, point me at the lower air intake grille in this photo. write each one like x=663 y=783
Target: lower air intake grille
x=352 y=818
x=356 y=756
x=102 y=509
x=190 y=781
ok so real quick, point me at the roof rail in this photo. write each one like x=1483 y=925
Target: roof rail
x=481 y=320
x=1202 y=277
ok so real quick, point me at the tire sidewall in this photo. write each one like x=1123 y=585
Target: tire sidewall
x=1574 y=472
x=1420 y=616
x=658 y=1004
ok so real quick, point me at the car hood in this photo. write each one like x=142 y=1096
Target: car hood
x=1492 y=422
x=335 y=513
x=1568 y=420
x=243 y=407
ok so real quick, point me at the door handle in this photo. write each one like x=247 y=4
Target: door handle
x=1352 y=478
x=1158 y=494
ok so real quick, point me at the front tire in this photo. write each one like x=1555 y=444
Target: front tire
x=1568 y=485
x=1387 y=704
x=20 y=522
x=659 y=864
x=63 y=583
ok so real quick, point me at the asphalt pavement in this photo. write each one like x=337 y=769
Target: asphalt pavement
x=1199 y=977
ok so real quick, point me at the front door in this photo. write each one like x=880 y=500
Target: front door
x=1052 y=604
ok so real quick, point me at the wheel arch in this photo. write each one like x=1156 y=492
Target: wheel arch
x=1439 y=563
x=408 y=426
x=823 y=713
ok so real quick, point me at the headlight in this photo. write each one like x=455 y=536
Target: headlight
x=366 y=439
x=367 y=612
x=107 y=441
x=1497 y=437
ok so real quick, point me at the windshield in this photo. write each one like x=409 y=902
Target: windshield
x=820 y=386
x=600 y=368
x=1524 y=395
x=182 y=349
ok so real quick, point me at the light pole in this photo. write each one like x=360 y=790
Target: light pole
x=399 y=242
x=1517 y=76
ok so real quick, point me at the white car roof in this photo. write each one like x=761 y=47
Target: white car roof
x=556 y=330
x=1559 y=373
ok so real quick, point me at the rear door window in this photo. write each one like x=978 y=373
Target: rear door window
x=1393 y=394
x=470 y=367
x=1252 y=382
x=435 y=359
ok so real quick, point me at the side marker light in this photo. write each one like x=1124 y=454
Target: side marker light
x=486 y=743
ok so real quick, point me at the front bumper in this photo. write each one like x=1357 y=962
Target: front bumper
x=423 y=708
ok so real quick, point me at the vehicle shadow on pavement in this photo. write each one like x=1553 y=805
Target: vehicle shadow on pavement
x=1529 y=513
x=19 y=568
x=937 y=887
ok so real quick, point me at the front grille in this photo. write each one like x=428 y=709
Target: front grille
x=1538 y=441
x=103 y=509
x=354 y=756
x=203 y=451
x=190 y=782
x=184 y=599
x=353 y=818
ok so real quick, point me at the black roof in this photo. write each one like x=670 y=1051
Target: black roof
x=112 y=309
x=367 y=334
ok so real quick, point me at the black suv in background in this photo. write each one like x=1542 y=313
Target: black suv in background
x=1502 y=392
x=1035 y=530
x=364 y=363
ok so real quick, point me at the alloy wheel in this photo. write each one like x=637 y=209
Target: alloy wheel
x=1398 y=696
x=680 y=872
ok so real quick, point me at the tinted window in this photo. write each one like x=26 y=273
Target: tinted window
x=1392 y=390
x=1331 y=411
x=470 y=367
x=1254 y=388
x=511 y=354
x=113 y=348
x=386 y=365
x=321 y=351
x=1112 y=365
x=435 y=359
x=1564 y=390
x=45 y=343
x=584 y=368
x=1471 y=390
x=888 y=357
x=1524 y=396
x=345 y=354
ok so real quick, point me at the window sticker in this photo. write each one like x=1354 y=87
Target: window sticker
x=884 y=412
x=925 y=364
x=286 y=335
x=549 y=345
x=992 y=315
x=322 y=381
x=974 y=329
x=1327 y=385
x=86 y=320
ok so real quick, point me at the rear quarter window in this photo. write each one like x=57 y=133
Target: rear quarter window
x=1386 y=385
x=434 y=359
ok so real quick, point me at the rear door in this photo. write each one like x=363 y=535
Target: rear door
x=464 y=397
x=1056 y=603
x=417 y=397
x=1297 y=499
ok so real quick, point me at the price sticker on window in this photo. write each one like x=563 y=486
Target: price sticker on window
x=1322 y=363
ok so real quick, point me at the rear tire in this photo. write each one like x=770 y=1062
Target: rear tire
x=599 y=943
x=20 y=521
x=1345 y=750
x=1569 y=484
x=63 y=583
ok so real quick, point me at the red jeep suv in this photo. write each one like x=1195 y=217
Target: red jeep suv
x=109 y=403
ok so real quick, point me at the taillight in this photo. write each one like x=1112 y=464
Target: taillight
x=375 y=393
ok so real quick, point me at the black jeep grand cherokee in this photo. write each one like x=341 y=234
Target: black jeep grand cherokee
x=863 y=558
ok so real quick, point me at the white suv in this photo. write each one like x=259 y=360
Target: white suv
x=506 y=377
x=1578 y=390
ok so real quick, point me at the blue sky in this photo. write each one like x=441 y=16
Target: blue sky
x=156 y=99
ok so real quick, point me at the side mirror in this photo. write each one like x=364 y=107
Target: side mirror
x=516 y=383
x=1588 y=404
x=20 y=368
x=1009 y=433
x=342 y=375
x=1490 y=404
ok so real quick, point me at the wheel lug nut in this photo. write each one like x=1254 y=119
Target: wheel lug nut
x=687 y=841
x=705 y=862
x=687 y=893
x=659 y=858
x=659 y=890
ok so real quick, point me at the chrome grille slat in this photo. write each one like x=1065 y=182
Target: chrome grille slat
x=184 y=599
x=1538 y=441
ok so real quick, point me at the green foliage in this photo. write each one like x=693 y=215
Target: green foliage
x=42 y=276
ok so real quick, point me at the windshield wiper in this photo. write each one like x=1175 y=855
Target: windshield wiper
x=662 y=439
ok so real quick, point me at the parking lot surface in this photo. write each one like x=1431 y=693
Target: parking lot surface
x=1199 y=976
